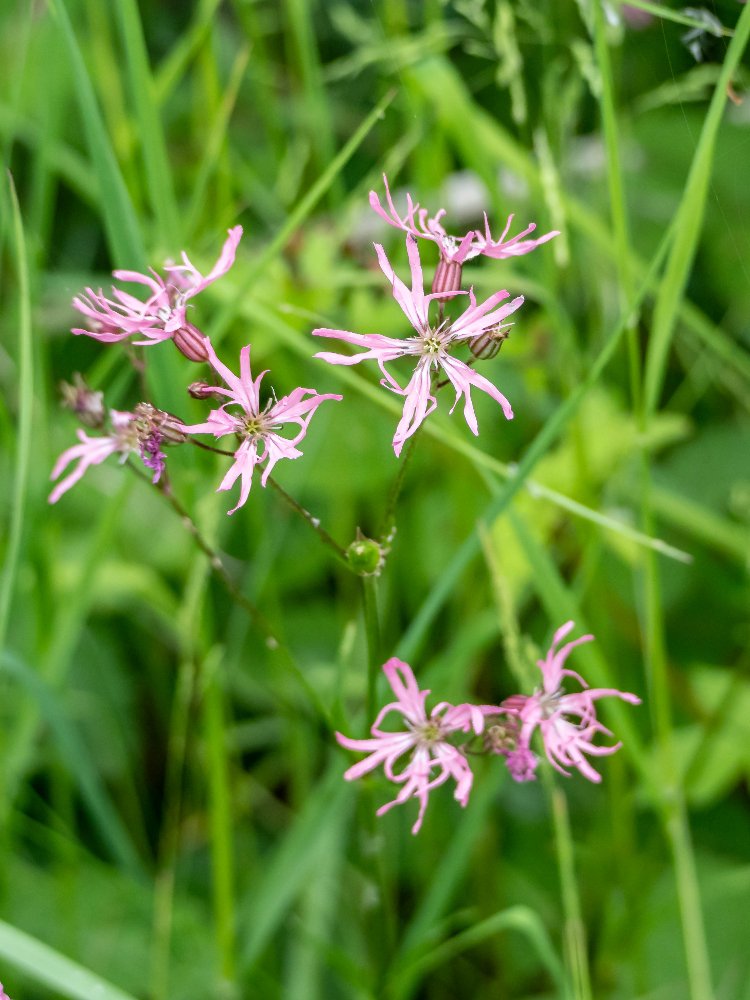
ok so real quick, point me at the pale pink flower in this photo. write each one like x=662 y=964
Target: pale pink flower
x=255 y=425
x=431 y=347
x=163 y=315
x=3 y=994
x=94 y=450
x=432 y=758
x=457 y=249
x=567 y=722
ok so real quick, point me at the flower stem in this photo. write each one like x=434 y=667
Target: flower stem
x=575 y=932
x=372 y=631
x=273 y=643
x=222 y=854
x=389 y=518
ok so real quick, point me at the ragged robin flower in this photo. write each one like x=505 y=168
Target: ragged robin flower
x=455 y=250
x=257 y=426
x=163 y=316
x=424 y=742
x=431 y=345
x=566 y=721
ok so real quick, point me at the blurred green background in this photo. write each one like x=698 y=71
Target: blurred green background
x=173 y=821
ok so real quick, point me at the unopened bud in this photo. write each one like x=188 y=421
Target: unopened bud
x=365 y=556
x=447 y=276
x=190 y=341
x=487 y=344
x=83 y=401
x=202 y=390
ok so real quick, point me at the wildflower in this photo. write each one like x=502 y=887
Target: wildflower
x=455 y=250
x=567 y=722
x=431 y=346
x=94 y=450
x=425 y=738
x=163 y=315
x=256 y=427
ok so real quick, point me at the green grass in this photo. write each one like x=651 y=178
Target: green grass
x=173 y=819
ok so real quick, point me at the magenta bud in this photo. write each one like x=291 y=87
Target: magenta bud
x=447 y=276
x=202 y=390
x=190 y=341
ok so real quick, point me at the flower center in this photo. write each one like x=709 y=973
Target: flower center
x=430 y=733
x=548 y=702
x=431 y=345
x=253 y=426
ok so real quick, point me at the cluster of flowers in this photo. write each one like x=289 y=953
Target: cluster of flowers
x=566 y=722
x=163 y=316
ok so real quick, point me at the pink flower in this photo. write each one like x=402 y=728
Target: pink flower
x=257 y=427
x=425 y=738
x=431 y=347
x=566 y=741
x=163 y=315
x=93 y=451
x=457 y=249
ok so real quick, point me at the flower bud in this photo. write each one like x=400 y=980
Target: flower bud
x=202 y=390
x=83 y=401
x=366 y=556
x=447 y=276
x=189 y=341
x=488 y=343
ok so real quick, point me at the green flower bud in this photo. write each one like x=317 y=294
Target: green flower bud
x=366 y=556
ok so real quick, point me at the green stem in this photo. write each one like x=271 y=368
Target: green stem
x=575 y=932
x=389 y=518
x=222 y=854
x=273 y=643
x=372 y=631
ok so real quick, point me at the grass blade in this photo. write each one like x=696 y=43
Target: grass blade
x=688 y=221
x=25 y=417
x=123 y=234
x=153 y=145
x=42 y=964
